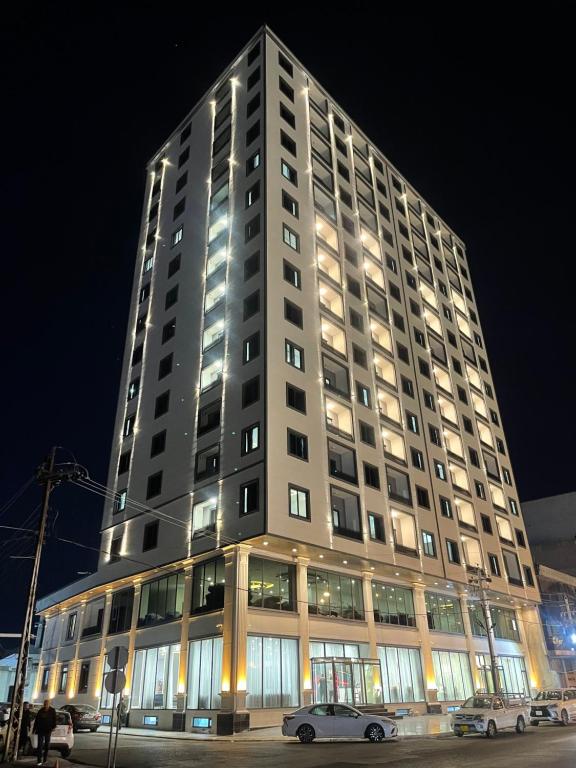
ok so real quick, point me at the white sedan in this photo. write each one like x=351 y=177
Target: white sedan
x=336 y=721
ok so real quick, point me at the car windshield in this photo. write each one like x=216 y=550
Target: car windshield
x=478 y=702
x=84 y=708
x=62 y=718
x=548 y=696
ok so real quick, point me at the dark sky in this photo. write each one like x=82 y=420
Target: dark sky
x=473 y=110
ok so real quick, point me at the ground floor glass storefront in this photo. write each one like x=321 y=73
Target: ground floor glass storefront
x=453 y=675
x=511 y=671
x=402 y=679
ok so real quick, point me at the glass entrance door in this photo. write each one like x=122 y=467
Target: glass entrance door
x=346 y=681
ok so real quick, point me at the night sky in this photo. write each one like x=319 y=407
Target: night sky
x=473 y=110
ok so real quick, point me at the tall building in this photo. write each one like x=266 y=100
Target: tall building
x=551 y=528
x=558 y=614
x=309 y=460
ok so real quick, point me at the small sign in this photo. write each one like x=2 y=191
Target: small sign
x=117 y=657
x=115 y=681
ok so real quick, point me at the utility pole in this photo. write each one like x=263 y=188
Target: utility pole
x=49 y=476
x=478 y=582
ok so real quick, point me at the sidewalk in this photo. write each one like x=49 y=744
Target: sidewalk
x=418 y=726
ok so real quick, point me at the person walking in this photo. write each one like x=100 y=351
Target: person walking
x=121 y=711
x=44 y=724
x=24 y=727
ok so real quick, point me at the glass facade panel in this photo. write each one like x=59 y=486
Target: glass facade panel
x=402 y=679
x=271 y=584
x=161 y=600
x=155 y=678
x=330 y=594
x=208 y=586
x=272 y=672
x=393 y=605
x=503 y=621
x=444 y=613
x=204 y=673
x=453 y=676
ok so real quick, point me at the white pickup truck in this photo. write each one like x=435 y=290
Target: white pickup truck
x=489 y=713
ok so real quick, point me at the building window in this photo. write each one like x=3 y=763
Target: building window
x=486 y=524
x=398 y=485
x=342 y=462
x=251 y=305
x=292 y=275
x=294 y=355
x=376 y=527
x=440 y=470
x=299 y=502
x=205 y=673
x=293 y=313
x=288 y=143
x=169 y=331
x=273 y=675
x=165 y=366
x=417 y=458
x=162 y=404
x=115 y=549
x=249 y=498
x=208 y=417
x=93 y=618
x=271 y=584
x=155 y=678
x=133 y=389
x=453 y=552
x=529 y=578
x=250 y=392
x=154 y=485
x=422 y=497
x=124 y=462
x=452 y=675
x=503 y=622
x=252 y=228
x=121 y=610
x=444 y=613
x=345 y=513
x=207 y=462
x=371 y=476
x=253 y=194
x=297 y=445
x=137 y=354
x=208 y=582
x=252 y=266
x=291 y=238
x=63 y=681
x=253 y=162
x=402 y=679
x=428 y=544
x=494 y=565
x=251 y=348
x=253 y=78
x=83 y=677
x=363 y=395
x=445 y=507
x=295 y=398
x=333 y=594
x=289 y=204
x=71 y=626
x=435 y=435
x=289 y=173
x=177 y=236
x=250 y=440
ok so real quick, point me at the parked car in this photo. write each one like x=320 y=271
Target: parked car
x=489 y=713
x=62 y=738
x=84 y=717
x=336 y=721
x=557 y=705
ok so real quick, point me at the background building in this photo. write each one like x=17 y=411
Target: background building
x=551 y=528
x=309 y=459
x=558 y=612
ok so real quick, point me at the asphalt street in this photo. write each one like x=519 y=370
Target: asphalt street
x=545 y=747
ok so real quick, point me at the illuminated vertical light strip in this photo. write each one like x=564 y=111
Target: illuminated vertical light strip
x=306 y=94
x=134 y=320
x=201 y=333
x=234 y=83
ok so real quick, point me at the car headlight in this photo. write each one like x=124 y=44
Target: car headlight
x=478 y=718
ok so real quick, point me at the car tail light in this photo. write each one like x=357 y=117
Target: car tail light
x=69 y=728
x=97 y=716
x=288 y=717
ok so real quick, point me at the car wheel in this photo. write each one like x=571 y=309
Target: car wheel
x=459 y=734
x=535 y=722
x=93 y=730
x=65 y=751
x=306 y=734
x=520 y=725
x=375 y=732
x=564 y=719
x=491 y=730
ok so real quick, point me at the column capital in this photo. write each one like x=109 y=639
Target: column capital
x=301 y=560
x=236 y=549
x=418 y=585
x=367 y=575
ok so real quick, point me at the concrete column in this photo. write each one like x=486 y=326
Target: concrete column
x=532 y=636
x=55 y=671
x=105 y=623
x=183 y=665
x=74 y=672
x=369 y=612
x=425 y=643
x=132 y=639
x=463 y=597
x=235 y=628
x=304 y=630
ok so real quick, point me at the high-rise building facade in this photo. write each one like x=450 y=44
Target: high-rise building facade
x=309 y=460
